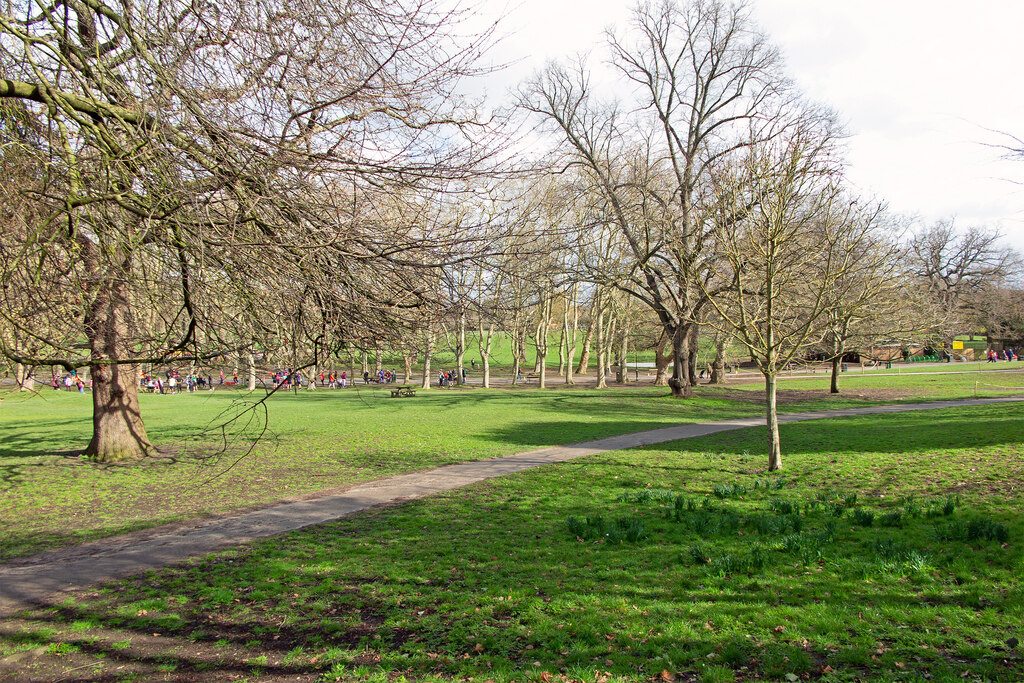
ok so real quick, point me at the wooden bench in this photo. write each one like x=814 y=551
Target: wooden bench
x=404 y=391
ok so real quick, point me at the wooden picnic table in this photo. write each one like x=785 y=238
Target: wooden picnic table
x=403 y=391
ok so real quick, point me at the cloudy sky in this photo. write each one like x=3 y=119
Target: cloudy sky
x=919 y=84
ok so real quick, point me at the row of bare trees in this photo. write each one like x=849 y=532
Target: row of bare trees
x=714 y=195
x=303 y=182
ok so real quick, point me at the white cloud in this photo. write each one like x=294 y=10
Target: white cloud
x=917 y=81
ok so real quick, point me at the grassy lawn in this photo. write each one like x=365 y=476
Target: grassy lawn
x=321 y=440
x=889 y=549
x=316 y=440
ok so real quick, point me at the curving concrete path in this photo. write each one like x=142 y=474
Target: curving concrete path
x=36 y=580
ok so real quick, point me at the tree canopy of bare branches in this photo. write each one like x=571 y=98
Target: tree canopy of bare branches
x=196 y=170
x=703 y=79
x=958 y=268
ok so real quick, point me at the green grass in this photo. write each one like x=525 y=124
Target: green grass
x=323 y=439
x=316 y=440
x=734 y=575
x=959 y=380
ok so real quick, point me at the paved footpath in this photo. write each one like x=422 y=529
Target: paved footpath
x=39 y=580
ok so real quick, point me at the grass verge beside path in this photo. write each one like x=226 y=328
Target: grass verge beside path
x=889 y=549
x=321 y=440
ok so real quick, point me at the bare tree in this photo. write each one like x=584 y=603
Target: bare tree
x=867 y=302
x=217 y=162
x=1001 y=313
x=703 y=72
x=781 y=251
x=958 y=267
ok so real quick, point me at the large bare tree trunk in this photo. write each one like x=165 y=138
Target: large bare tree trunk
x=312 y=376
x=460 y=349
x=834 y=382
x=428 y=351
x=563 y=339
x=542 y=366
x=602 y=362
x=378 y=361
x=718 y=364
x=484 y=345
x=680 y=381
x=407 y=367
x=23 y=375
x=541 y=340
x=117 y=429
x=661 y=361
x=774 y=445
x=692 y=343
x=518 y=350
x=536 y=346
x=588 y=337
x=571 y=338
x=251 y=366
x=624 y=354
x=609 y=339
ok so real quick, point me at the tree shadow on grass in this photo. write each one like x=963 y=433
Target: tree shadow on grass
x=205 y=622
x=968 y=427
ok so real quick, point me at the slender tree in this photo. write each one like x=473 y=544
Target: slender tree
x=781 y=249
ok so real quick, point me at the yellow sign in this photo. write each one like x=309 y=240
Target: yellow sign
x=958 y=345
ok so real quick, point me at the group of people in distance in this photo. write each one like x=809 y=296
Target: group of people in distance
x=334 y=381
x=173 y=382
x=383 y=377
x=70 y=381
x=450 y=378
x=1008 y=353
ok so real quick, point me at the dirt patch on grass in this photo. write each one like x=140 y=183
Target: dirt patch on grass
x=102 y=654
